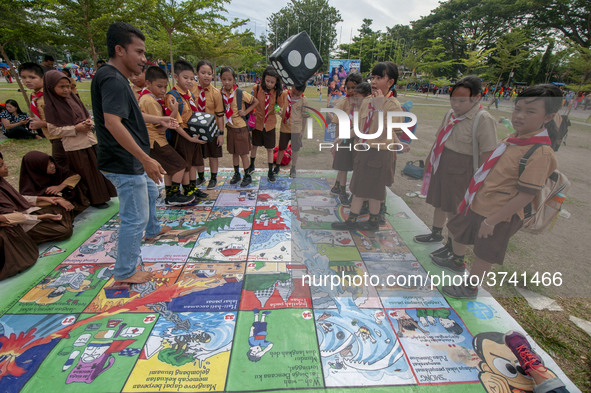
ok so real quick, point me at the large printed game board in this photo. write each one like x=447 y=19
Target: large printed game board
x=254 y=291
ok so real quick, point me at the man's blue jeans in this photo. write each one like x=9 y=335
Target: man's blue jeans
x=137 y=211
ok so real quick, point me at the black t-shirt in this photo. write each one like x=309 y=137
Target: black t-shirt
x=111 y=93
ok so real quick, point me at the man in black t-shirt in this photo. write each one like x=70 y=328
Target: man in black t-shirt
x=123 y=147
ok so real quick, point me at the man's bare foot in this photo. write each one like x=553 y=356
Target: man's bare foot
x=164 y=229
x=138 y=278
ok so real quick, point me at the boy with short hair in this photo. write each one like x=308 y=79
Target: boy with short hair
x=188 y=147
x=292 y=126
x=138 y=82
x=32 y=76
x=151 y=102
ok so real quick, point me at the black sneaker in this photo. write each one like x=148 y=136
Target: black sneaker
x=336 y=189
x=249 y=170
x=199 y=194
x=246 y=181
x=344 y=226
x=199 y=181
x=236 y=178
x=428 y=238
x=292 y=173
x=344 y=199
x=368 y=226
x=441 y=252
x=460 y=291
x=449 y=263
x=177 y=199
x=212 y=183
x=276 y=169
x=382 y=214
x=271 y=176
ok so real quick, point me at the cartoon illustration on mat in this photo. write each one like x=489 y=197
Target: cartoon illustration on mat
x=257 y=339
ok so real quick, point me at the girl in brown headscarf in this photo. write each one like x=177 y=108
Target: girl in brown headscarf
x=25 y=222
x=68 y=118
x=41 y=175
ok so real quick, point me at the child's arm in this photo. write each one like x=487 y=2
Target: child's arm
x=250 y=108
x=194 y=139
x=516 y=204
x=71 y=182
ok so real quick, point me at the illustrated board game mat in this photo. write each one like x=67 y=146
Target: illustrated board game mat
x=243 y=299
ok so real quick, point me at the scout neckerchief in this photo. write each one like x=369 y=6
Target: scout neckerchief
x=484 y=170
x=34 y=98
x=369 y=118
x=288 y=109
x=266 y=107
x=188 y=97
x=228 y=104
x=165 y=110
x=201 y=98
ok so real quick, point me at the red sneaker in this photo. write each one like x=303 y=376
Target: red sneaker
x=528 y=359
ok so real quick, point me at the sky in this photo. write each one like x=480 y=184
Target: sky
x=384 y=13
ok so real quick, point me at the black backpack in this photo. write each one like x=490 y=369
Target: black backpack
x=561 y=130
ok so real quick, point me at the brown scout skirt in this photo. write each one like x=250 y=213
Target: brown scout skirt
x=238 y=140
x=343 y=157
x=464 y=229
x=84 y=163
x=448 y=185
x=373 y=171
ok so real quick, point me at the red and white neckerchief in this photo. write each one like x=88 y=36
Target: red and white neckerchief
x=188 y=97
x=165 y=110
x=371 y=109
x=288 y=109
x=442 y=137
x=34 y=98
x=480 y=175
x=228 y=104
x=266 y=107
x=201 y=98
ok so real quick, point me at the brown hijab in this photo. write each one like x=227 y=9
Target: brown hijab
x=34 y=179
x=10 y=200
x=61 y=111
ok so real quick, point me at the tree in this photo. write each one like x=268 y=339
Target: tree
x=511 y=51
x=476 y=55
x=83 y=24
x=317 y=17
x=178 y=16
x=20 y=22
x=570 y=17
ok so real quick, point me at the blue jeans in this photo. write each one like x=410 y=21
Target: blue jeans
x=137 y=211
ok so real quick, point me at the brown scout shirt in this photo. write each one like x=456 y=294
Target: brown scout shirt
x=503 y=182
x=259 y=93
x=237 y=120
x=149 y=104
x=460 y=140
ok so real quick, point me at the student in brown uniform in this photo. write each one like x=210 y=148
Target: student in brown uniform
x=152 y=103
x=189 y=149
x=68 y=118
x=32 y=77
x=209 y=100
x=269 y=93
x=343 y=155
x=27 y=221
x=138 y=83
x=450 y=164
x=492 y=209
x=41 y=176
x=235 y=110
x=292 y=126
x=374 y=168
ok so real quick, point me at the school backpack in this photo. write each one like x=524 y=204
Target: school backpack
x=543 y=211
x=560 y=125
x=238 y=103
x=177 y=96
x=286 y=155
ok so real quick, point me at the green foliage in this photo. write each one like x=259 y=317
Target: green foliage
x=317 y=17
